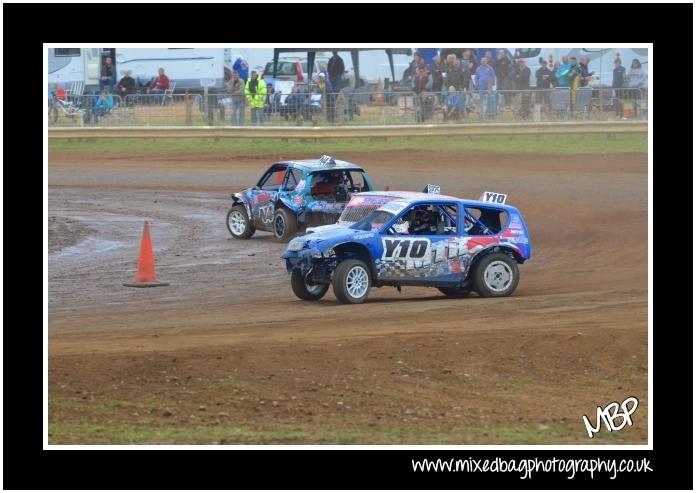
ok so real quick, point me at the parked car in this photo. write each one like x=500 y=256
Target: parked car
x=288 y=69
x=295 y=69
x=292 y=195
x=418 y=239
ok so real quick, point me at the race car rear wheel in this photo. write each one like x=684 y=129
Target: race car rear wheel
x=496 y=275
x=304 y=289
x=455 y=292
x=238 y=223
x=284 y=224
x=351 y=283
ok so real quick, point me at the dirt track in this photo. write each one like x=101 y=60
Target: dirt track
x=228 y=354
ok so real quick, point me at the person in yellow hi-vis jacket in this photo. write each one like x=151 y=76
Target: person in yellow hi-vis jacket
x=255 y=92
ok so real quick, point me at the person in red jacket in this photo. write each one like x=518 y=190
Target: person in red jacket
x=160 y=83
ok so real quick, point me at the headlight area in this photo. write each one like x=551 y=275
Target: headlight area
x=315 y=253
x=296 y=245
x=309 y=252
x=296 y=258
x=325 y=254
x=293 y=252
x=320 y=263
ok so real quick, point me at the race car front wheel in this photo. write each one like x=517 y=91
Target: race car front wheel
x=351 y=281
x=496 y=275
x=284 y=224
x=305 y=289
x=238 y=223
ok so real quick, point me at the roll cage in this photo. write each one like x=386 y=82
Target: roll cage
x=477 y=224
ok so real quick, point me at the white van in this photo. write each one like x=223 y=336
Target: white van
x=295 y=69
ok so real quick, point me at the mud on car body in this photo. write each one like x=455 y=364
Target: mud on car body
x=417 y=239
x=293 y=195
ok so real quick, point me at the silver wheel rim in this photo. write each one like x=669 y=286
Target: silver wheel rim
x=312 y=288
x=279 y=226
x=237 y=223
x=357 y=282
x=498 y=276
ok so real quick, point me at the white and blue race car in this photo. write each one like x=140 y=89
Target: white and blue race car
x=413 y=239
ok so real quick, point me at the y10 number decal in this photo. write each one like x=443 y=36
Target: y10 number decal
x=397 y=248
x=496 y=198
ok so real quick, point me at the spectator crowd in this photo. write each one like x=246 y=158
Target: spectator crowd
x=454 y=76
x=450 y=82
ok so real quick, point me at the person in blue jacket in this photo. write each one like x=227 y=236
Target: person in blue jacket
x=104 y=104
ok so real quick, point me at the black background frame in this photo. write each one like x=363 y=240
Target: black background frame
x=27 y=26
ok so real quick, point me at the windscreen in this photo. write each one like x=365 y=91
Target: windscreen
x=284 y=68
x=360 y=207
x=374 y=220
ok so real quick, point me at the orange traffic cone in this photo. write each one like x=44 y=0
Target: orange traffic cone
x=146 y=277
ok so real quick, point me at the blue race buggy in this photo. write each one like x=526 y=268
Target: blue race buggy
x=414 y=239
x=293 y=195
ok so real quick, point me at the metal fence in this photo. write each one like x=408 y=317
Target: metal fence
x=351 y=107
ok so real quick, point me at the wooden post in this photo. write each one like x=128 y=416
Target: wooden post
x=205 y=103
x=188 y=103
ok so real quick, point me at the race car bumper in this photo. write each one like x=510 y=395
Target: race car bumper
x=301 y=254
x=301 y=259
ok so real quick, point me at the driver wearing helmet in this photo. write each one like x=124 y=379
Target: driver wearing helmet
x=340 y=184
x=424 y=222
x=332 y=186
x=327 y=183
x=335 y=178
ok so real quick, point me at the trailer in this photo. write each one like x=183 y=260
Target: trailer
x=191 y=68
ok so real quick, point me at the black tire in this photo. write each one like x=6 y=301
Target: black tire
x=304 y=290
x=239 y=212
x=346 y=273
x=284 y=224
x=496 y=275
x=455 y=292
